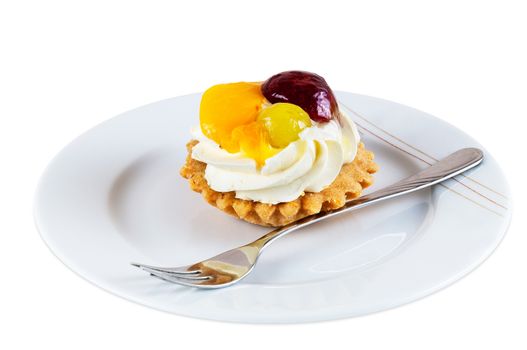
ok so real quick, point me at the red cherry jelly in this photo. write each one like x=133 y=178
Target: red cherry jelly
x=307 y=90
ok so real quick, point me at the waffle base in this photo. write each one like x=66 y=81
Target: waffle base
x=350 y=182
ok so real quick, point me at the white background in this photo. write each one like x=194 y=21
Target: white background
x=67 y=66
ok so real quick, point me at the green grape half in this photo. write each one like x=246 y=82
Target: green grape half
x=284 y=121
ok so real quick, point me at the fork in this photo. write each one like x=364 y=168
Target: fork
x=233 y=265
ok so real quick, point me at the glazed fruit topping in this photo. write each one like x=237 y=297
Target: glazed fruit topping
x=284 y=121
x=307 y=90
x=224 y=107
x=229 y=116
x=237 y=117
x=254 y=140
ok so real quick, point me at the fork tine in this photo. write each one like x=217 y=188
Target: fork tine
x=176 y=280
x=181 y=280
x=169 y=270
x=190 y=277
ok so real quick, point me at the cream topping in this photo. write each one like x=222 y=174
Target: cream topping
x=309 y=164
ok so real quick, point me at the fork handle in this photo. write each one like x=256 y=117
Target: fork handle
x=448 y=167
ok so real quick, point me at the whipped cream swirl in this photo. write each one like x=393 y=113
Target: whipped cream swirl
x=309 y=164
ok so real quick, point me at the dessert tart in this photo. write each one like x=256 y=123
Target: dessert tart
x=274 y=152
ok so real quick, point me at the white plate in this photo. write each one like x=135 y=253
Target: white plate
x=114 y=196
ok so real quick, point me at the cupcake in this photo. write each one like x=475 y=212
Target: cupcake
x=274 y=152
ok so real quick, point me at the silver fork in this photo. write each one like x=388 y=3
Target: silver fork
x=233 y=265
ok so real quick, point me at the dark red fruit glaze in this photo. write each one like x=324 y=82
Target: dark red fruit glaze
x=304 y=89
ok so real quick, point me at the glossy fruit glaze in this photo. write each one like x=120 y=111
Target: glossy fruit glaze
x=307 y=90
x=233 y=115
x=284 y=122
x=239 y=117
